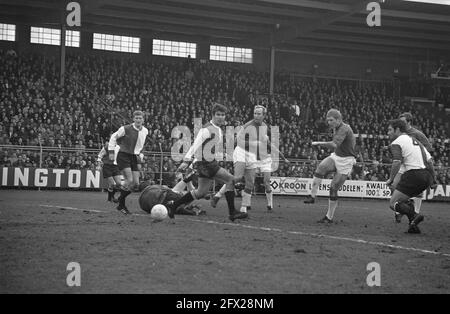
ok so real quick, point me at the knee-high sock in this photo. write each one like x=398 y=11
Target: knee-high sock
x=269 y=197
x=221 y=191
x=405 y=208
x=417 y=204
x=315 y=186
x=123 y=195
x=331 y=208
x=229 y=195
x=246 y=201
x=179 y=187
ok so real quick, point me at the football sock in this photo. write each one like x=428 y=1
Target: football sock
x=179 y=187
x=417 y=204
x=246 y=201
x=405 y=208
x=221 y=191
x=269 y=199
x=229 y=195
x=315 y=186
x=331 y=208
x=123 y=196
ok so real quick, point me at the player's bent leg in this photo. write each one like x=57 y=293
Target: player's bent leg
x=335 y=185
x=325 y=167
x=401 y=203
x=417 y=203
x=397 y=215
x=204 y=185
x=111 y=184
x=179 y=187
x=136 y=175
x=224 y=176
x=125 y=190
x=215 y=199
x=249 y=176
x=239 y=172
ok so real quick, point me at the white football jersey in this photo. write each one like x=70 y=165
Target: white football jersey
x=411 y=152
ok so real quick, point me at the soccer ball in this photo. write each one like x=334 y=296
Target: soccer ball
x=158 y=212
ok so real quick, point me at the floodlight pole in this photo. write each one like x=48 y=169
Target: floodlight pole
x=272 y=69
x=62 y=55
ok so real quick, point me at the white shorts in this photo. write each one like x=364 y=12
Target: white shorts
x=344 y=165
x=241 y=155
x=265 y=165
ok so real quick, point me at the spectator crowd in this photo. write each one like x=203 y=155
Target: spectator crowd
x=72 y=123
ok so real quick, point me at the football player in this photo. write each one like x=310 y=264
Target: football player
x=341 y=162
x=418 y=176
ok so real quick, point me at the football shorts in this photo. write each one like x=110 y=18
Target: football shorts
x=344 y=165
x=265 y=165
x=207 y=169
x=125 y=160
x=110 y=170
x=413 y=182
x=241 y=155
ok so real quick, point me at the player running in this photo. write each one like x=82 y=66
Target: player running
x=207 y=166
x=132 y=139
x=249 y=155
x=341 y=162
x=421 y=138
x=110 y=171
x=418 y=175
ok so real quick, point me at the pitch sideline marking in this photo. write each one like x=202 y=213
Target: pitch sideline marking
x=74 y=208
x=315 y=235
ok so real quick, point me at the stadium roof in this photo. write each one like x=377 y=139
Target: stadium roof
x=408 y=29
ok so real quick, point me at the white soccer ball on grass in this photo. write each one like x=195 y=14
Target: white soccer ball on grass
x=159 y=212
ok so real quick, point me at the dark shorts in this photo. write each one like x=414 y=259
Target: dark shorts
x=125 y=160
x=110 y=170
x=413 y=182
x=206 y=169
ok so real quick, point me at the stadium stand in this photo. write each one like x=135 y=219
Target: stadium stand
x=101 y=93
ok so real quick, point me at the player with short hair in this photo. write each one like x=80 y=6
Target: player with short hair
x=132 y=139
x=207 y=166
x=248 y=159
x=419 y=136
x=341 y=161
x=110 y=171
x=418 y=176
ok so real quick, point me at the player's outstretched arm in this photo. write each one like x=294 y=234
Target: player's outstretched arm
x=113 y=141
x=331 y=144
